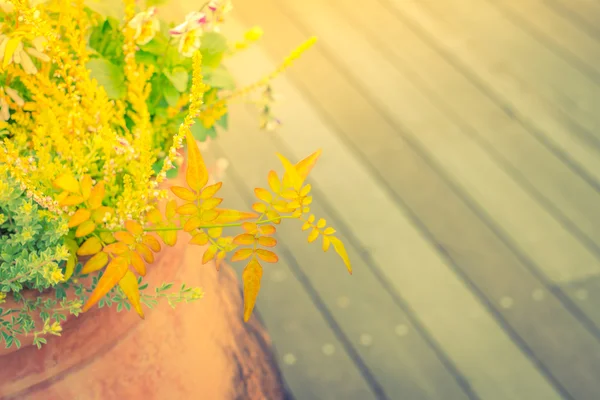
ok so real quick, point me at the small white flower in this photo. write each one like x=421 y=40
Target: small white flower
x=189 y=33
x=146 y=25
x=219 y=8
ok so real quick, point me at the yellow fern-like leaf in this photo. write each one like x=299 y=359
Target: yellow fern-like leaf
x=274 y=182
x=137 y=262
x=85 y=229
x=129 y=285
x=90 y=247
x=71 y=200
x=267 y=255
x=264 y=195
x=79 y=217
x=251 y=276
x=200 y=239
x=183 y=193
x=291 y=177
x=226 y=216
x=242 y=254
x=267 y=241
x=113 y=273
x=96 y=196
x=210 y=191
x=86 y=186
x=95 y=263
x=209 y=254
x=306 y=165
x=67 y=183
x=339 y=248
x=196 y=175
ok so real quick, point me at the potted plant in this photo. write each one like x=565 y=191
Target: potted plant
x=94 y=113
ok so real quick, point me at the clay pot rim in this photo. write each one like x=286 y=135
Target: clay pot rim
x=27 y=340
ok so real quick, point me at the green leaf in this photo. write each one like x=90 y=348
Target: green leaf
x=219 y=78
x=108 y=76
x=150 y=3
x=109 y=8
x=173 y=172
x=213 y=42
x=223 y=122
x=156 y=46
x=201 y=133
x=179 y=78
x=171 y=94
x=212 y=48
x=143 y=57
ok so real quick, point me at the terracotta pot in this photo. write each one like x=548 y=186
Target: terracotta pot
x=200 y=350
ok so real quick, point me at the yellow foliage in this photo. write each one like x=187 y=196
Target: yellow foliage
x=95 y=156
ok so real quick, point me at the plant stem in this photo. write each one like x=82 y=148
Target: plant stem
x=178 y=228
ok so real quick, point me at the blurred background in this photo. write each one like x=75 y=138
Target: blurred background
x=461 y=166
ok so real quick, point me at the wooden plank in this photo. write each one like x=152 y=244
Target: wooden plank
x=584 y=14
x=540 y=172
x=515 y=95
x=379 y=331
x=313 y=359
x=431 y=289
x=532 y=229
x=302 y=337
x=571 y=94
x=556 y=32
x=536 y=319
x=586 y=294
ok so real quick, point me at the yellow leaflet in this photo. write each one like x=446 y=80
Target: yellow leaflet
x=114 y=272
x=295 y=180
x=85 y=229
x=67 y=183
x=183 y=193
x=226 y=216
x=339 y=248
x=210 y=191
x=305 y=166
x=79 y=217
x=251 y=277
x=267 y=255
x=96 y=196
x=196 y=175
x=241 y=254
x=95 y=263
x=90 y=247
x=209 y=254
x=10 y=49
x=86 y=186
x=129 y=286
x=72 y=260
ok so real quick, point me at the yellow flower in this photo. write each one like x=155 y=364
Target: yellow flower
x=55 y=328
x=146 y=25
x=2 y=297
x=57 y=276
x=189 y=33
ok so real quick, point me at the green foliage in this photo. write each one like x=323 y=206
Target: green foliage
x=108 y=75
x=172 y=71
x=32 y=241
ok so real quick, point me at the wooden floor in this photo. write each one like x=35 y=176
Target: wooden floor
x=461 y=165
